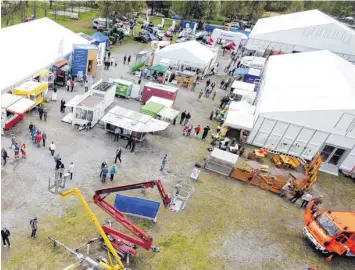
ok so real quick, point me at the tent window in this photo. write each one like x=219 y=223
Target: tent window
x=80 y=114
x=345 y=122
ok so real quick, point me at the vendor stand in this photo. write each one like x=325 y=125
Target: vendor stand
x=236 y=122
x=123 y=87
x=250 y=75
x=152 y=108
x=32 y=90
x=221 y=161
x=13 y=108
x=185 y=78
x=132 y=123
x=240 y=95
x=61 y=72
x=158 y=72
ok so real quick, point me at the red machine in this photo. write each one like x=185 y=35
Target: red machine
x=126 y=244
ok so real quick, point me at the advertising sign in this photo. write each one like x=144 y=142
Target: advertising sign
x=101 y=53
x=80 y=59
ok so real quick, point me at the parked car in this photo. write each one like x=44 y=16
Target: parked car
x=142 y=38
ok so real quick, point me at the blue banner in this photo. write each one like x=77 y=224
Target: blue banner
x=80 y=59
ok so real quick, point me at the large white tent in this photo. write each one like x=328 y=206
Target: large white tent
x=30 y=47
x=308 y=107
x=189 y=53
x=303 y=31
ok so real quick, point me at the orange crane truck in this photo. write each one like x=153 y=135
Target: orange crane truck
x=330 y=232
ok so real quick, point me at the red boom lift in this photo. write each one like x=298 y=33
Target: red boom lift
x=126 y=244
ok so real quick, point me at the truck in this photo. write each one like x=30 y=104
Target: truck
x=330 y=232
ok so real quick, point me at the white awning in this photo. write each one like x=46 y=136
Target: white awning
x=247 y=95
x=21 y=106
x=239 y=120
x=75 y=100
x=242 y=106
x=163 y=101
x=243 y=86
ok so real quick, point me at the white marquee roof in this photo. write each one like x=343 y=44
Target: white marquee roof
x=29 y=47
x=190 y=51
x=318 y=80
x=307 y=29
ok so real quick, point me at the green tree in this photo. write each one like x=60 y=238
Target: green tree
x=296 y=6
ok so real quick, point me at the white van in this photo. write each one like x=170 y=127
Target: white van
x=100 y=22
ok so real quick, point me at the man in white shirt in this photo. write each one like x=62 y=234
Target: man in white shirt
x=71 y=170
x=68 y=85
x=52 y=148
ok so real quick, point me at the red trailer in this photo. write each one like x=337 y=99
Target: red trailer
x=159 y=90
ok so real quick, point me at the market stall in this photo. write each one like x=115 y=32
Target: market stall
x=151 y=108
x=158 y=72
x=185 y=78
x=168 y=114
x=61 y=72
x=240 y=95
x=32 y=90
x=105 y=90
x=132 y=123
x=123 y=87
x=47 y=76
x=236 y=122
x=221 y=161
x=165 y=102
x=159 y=90
x=13 y=108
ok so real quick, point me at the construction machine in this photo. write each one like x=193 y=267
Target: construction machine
x=111 y=250
x=126 y=245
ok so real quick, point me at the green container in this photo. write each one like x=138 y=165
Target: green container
x=123 y=87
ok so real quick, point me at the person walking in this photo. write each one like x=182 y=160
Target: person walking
x=38 y=139
x=30 y=127
x=163 y=162
x=124 y=59
x=86 y=85
x=72 y=84
x=33 y=223
x=109 y=54
x=13 y=141
x=113 y=171
x=17 y=150
x=133 y=145
x=54 y=95
x=307 y=197
x=71 y=170
x=182 y=117
x=4 y=156
x=104 y=174
x=187 y=118
x=213 y=85
x=208 y=82
x=40 y=112
x=205 y=132
x=44 y=138
x=68 y=85
x=222 y=84
x=23 y=151
x=197 y=130
x=200 y=95
x=103 y=164
x=214 y=95
x=115 y=62
x=286 y=187
x=194 y=84
x=118 y=155
x=189 y=129
x=52 y=148
x=5 y=234
x=128 y=59
x=129 y=143
x=45 y=114
x=212 y=114
x=117 y=134
x=61 y=170
x=111 y=61
x=298 y=194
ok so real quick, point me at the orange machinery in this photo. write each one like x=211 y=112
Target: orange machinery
x=330 y=232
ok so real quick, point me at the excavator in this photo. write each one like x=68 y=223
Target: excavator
x=124 y=244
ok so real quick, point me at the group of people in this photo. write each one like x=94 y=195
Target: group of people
x=105 y=171
x=189 y=127
x=128 y=59
x=185 y=117
x=42 y=113
x=70 y=85
x=37 y=136
x=60 y=168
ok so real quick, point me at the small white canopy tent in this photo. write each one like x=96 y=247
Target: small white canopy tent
x=239 y=120
x=189 y=53
x=243 y=86
x=303 y=31
x=242 y=106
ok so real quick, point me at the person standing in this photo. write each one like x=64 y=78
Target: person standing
x=4 y=156
x=17 y=150
x=298 y=194
x=183 y=115
x=197 y=130
x=205 y=132
x=113 y=171
x=133 y=145
x=200 y=95
x=71 y=170
x=128 y=59
x=109 y=54
x=33 y=223
x=30 y=127
x=5 y=234
x=115 y=62
x=111 y=61
x=163 y=162
x=45 y=114
x=124 y=59
x=212 y=114
x=189 y=129
x=54 y=95
x=103 y=164
x=13 y=141
x=194 y=85
x=222 y=84
x=38 y=139
x=68 y=85
x=104 y=174
x=86 y=85
x=118 y=155
x=187 y=118
x=129 y=143
x=23 y=151
x=213 y=85
x=214 y=95
x=208 y=82
x=52 y=148
x=117 y=134
x=307 y=197
x=40 y=112
x=44 y=138
x=72 y=84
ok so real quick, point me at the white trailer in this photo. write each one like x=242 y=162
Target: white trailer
x=348 y=165
x=106 y=90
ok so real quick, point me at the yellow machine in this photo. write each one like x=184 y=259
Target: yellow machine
x=111 y=265
x=32 y=90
